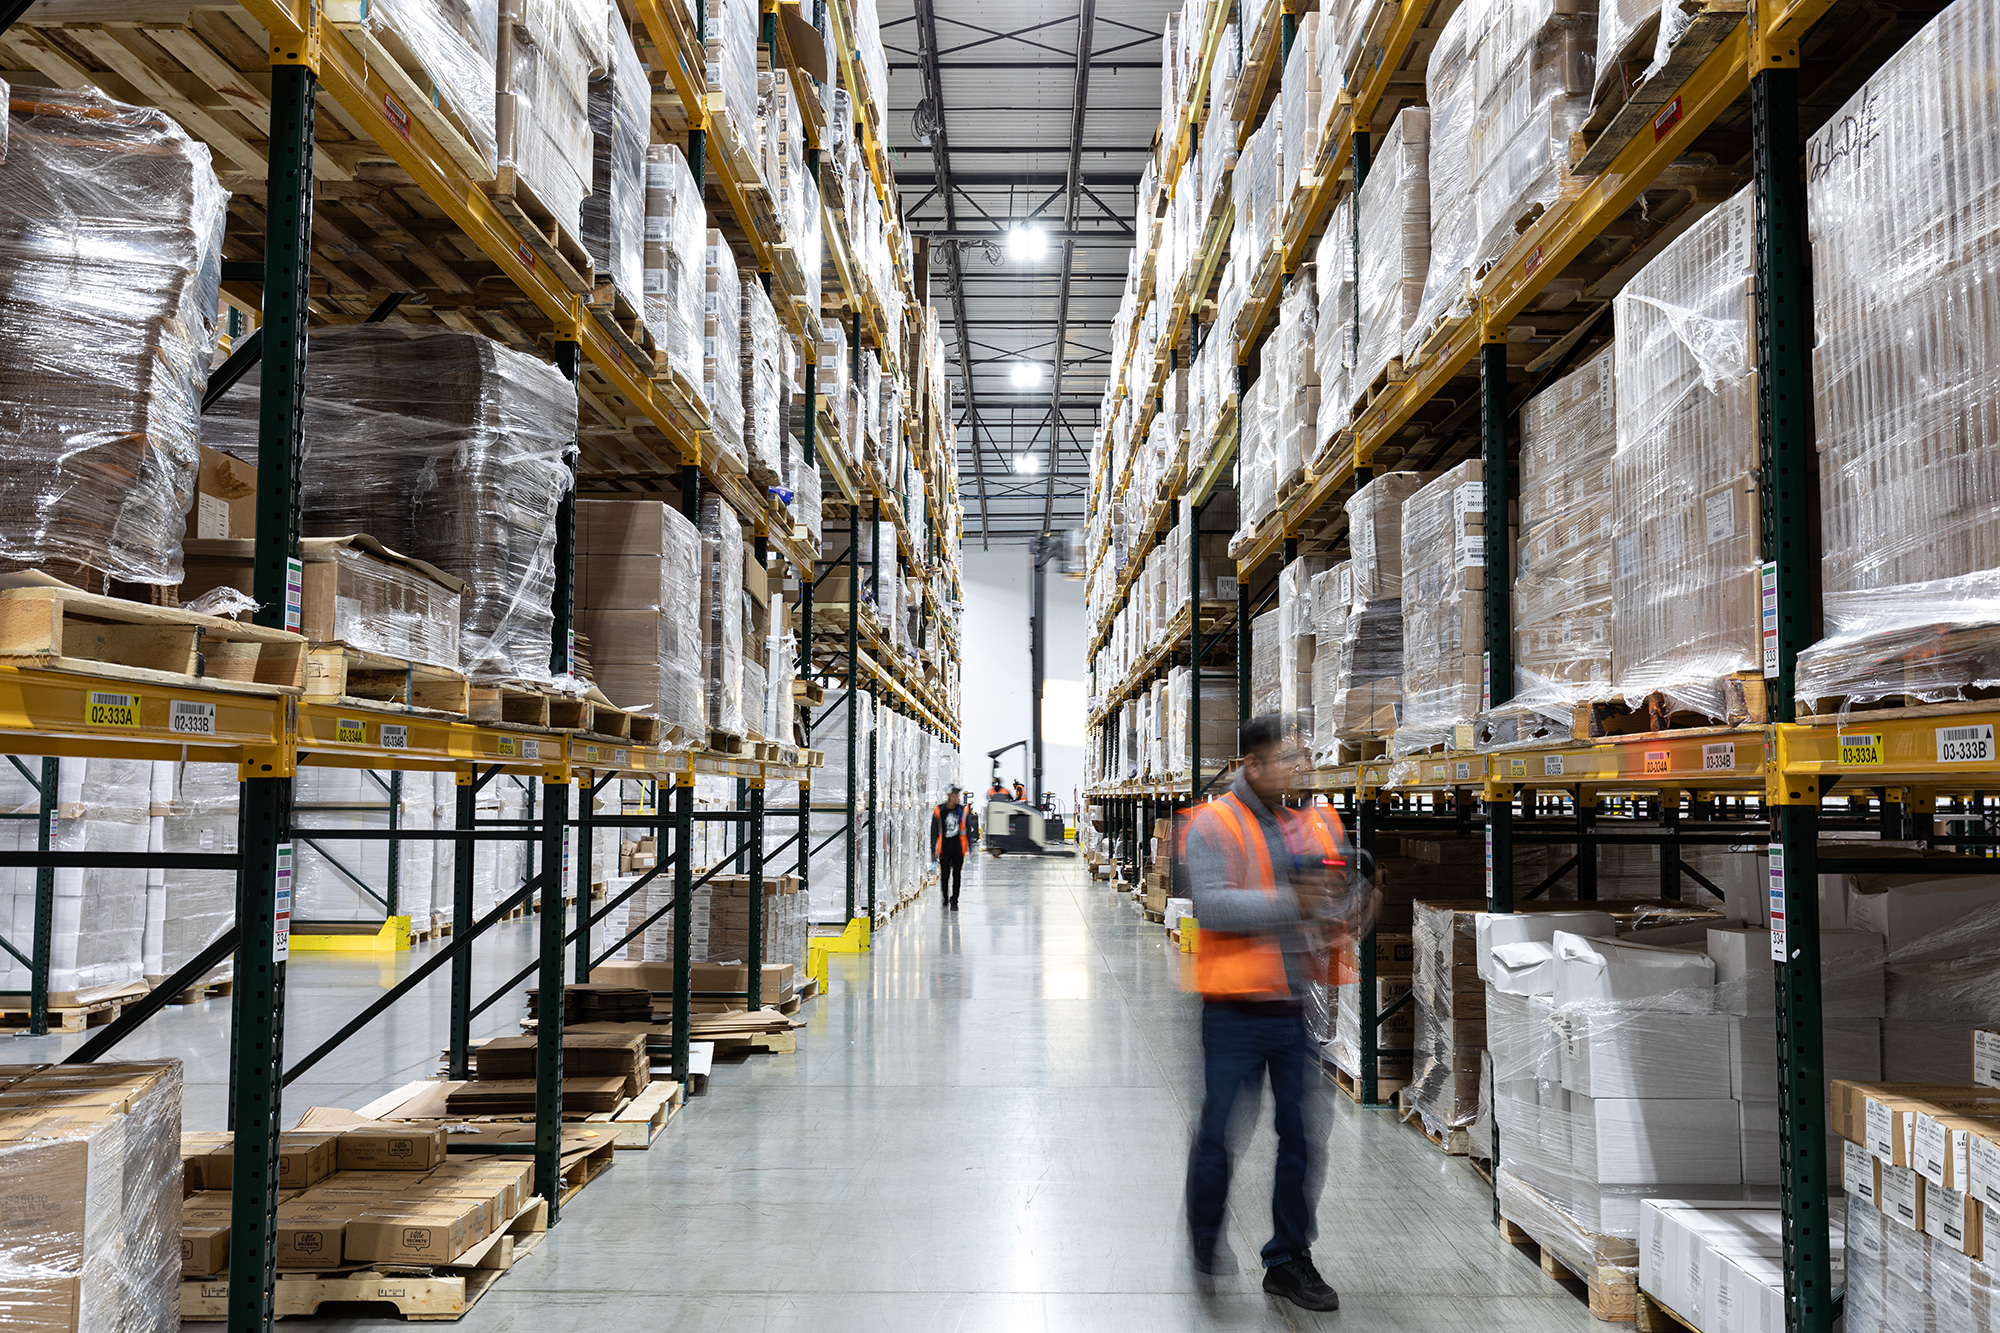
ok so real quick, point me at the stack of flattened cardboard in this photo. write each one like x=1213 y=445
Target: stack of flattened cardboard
x=516 y=1096
x=599 y=1002
x=585 y=1055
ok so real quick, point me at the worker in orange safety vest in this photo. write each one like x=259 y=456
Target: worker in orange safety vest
x=1276 y=894
x=953 y=827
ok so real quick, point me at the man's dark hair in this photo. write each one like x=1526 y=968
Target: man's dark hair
x=1260 y=733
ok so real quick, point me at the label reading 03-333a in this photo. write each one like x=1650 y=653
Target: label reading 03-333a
x=188 y=718
x=106 y=708
x=1965 y=745
x=1861 y=748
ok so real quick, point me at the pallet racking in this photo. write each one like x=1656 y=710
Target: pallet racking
x=303 y=95
x=1732 y=105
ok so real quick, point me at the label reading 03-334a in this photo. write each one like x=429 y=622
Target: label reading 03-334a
x=188 y=718
x=1965 y=745
x=106 y=708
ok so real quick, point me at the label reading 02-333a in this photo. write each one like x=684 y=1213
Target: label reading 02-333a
x=107 y=708
x=1965 y=745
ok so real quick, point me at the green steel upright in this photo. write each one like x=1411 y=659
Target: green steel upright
x=458 y=1054
x=264 y=883
x=683 y=850
x=853 y=679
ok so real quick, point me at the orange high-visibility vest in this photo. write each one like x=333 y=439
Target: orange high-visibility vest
x=1230 y=966
x=963 y=840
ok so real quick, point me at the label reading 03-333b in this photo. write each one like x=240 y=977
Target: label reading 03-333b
x=106 y=708
x=1965 y=745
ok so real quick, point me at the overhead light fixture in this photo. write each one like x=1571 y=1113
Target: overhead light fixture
x=1026 y=243
x=1027 y=374
x=1027 y=464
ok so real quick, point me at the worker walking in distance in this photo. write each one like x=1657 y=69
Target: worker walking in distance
x=953 y=827
x=1276 y=896
x=1020 y=791
x=997 y=791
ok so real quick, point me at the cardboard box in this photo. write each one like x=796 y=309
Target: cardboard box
x=41 y=1302
x=435 y=1235
x=225 y=497
x=311 y=1239
x=60 y=1198
x=1986 y=1057
x=304 y=1159
x=204 y=1242
x=390 y=1148
x=1860 y=1173
x=778 y=982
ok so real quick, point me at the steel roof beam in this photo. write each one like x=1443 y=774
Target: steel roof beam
x=1086 y=24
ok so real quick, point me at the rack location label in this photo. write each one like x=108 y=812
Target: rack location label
x=350 y=731
x=1965 y=745
x=395 y=736
x=1552 y=765
x=105 y=708
x=1861 y=748
x=281 y=924
x=1777 y=889
x=1718 y=758
x=188 y=718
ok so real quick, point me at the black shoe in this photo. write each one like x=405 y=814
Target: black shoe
x=1300 y=1283
x=954 y=907
x=1216 y=1262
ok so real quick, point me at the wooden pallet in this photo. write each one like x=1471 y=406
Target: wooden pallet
x=422 y=97
x=65 y=629
x=1611 y=1292
x=1385 y=1088
x=1654 y=1317
x=549 y=242
x=723 y=742
x=1388 y=379
x=625 y=324
x=1744 y=693
x=1454 y=1142
x=416 y=1293
x=336 y=673
x=637 y=1123
x=69 y=1018
x=509 y=703
x=776 y=1043
x=587 y=1168
x=1654 y=104
x=569 y=713
x=647 y=729
x=208 y=990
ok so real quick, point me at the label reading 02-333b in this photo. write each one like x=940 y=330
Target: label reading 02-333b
x=189 y=718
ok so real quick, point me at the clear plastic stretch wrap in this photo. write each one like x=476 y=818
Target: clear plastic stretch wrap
x=763 y=352
x=676 y=262
x=1368 y=663
x=1454 y=225
x=548 y=51
x=90 y=1167
x=1296 y=639
x=1531 y=85
x=731 y=66
x=1257 y=175
x=639 y=597
x=1904 y=221
x=110 y=268
x=722 y=613
x=1562 y=592
x=1256 y=455
x=1332 y=599
x=444 y=446
x=97 y=935
x=801 y=479
x=197 y=906
x=1687 y=548
x=722 y=349
x=1444 y=606
x=1296 y=389
x=621 y=122
x=1395 y=205
x=1898 y=1278
x=1299 y=110
x=1334 y=339
x=1627 y=32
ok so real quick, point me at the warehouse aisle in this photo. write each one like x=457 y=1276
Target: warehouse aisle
x=985 y=1128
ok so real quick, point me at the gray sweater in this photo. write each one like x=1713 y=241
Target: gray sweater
x=1222 y=902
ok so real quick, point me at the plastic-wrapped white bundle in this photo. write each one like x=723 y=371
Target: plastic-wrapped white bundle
x=548 y=51
x=444 y=446
x=722 y=614
x=110 y=262
x=1444 y=606
x=1296 y=640
x=614 y=213
x=1627 y=33
x=1368 y=666
x=1562 y=593
x=1295 y=427
x=1301 y=95
x=722 y=349
x=1454 y=228
x=1333 y=341
x=1688 y=551
x=1532 y=91
x=1257 y=454
x=197 y=905
x=763 y=346
x=1395 y=205
x=676 y=262
x=94 y=1197
x=639 y=586
x=1905 y=382
x=1332 y=597
x=731 y=65
x=1258 y=172
x=99 y=925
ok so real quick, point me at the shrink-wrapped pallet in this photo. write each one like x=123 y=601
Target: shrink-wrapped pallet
x=614 y=212
x=1334 y=339
x=1300 y=93
x=1687 y=551
x=1332 y=598
x=1905 y=381
x=731 y=67
x=1562 y=592
x=549 y=49
x=97 y=932
x=722 y=614
x=639 y=588
x=1531 y=92
x=676 y=263
x=446 y=447
x=1448 y=291
x=763 y=352
x=1444 y=607
x=91 y=1236
x=111 y=226
x=1264 y=685
x=1627 y=33
x=1295 y=386
x=1297 y=639
x=1368 y=660
x=1259 y=215
x=1257 y=455
x=197 y=906
x=722 y=350
x=1395 y=204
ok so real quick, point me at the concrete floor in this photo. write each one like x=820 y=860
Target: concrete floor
x=985 y=1127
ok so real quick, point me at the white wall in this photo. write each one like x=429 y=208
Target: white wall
x=996 y=679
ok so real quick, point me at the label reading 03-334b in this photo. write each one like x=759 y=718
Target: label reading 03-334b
x=106 y=708
x=1718 y=758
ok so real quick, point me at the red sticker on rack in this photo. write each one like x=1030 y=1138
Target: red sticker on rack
x=398 y=115
x=1670 y=116
x=1534 y=262
x=525 y=255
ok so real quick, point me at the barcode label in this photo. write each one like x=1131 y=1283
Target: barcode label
x=1656 y=761
x=1965 y=745
x=190 y=719
x=531 y=749
x=1718 y=758
x=1464 y=772
x=281 y=925
x=350 y=731
x=504 y=745
x=395 y=736
x=1552 y=765
x=621 y=758
x=1776 y=887
x=102 y=708
x=1863 y=748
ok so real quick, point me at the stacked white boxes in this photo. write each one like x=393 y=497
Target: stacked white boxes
x=548 y=51
x=1392 y=264
x=1444 y=607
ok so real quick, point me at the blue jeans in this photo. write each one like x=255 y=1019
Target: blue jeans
x=1238 y=1047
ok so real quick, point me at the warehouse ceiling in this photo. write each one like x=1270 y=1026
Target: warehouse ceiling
x=1038 y=114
